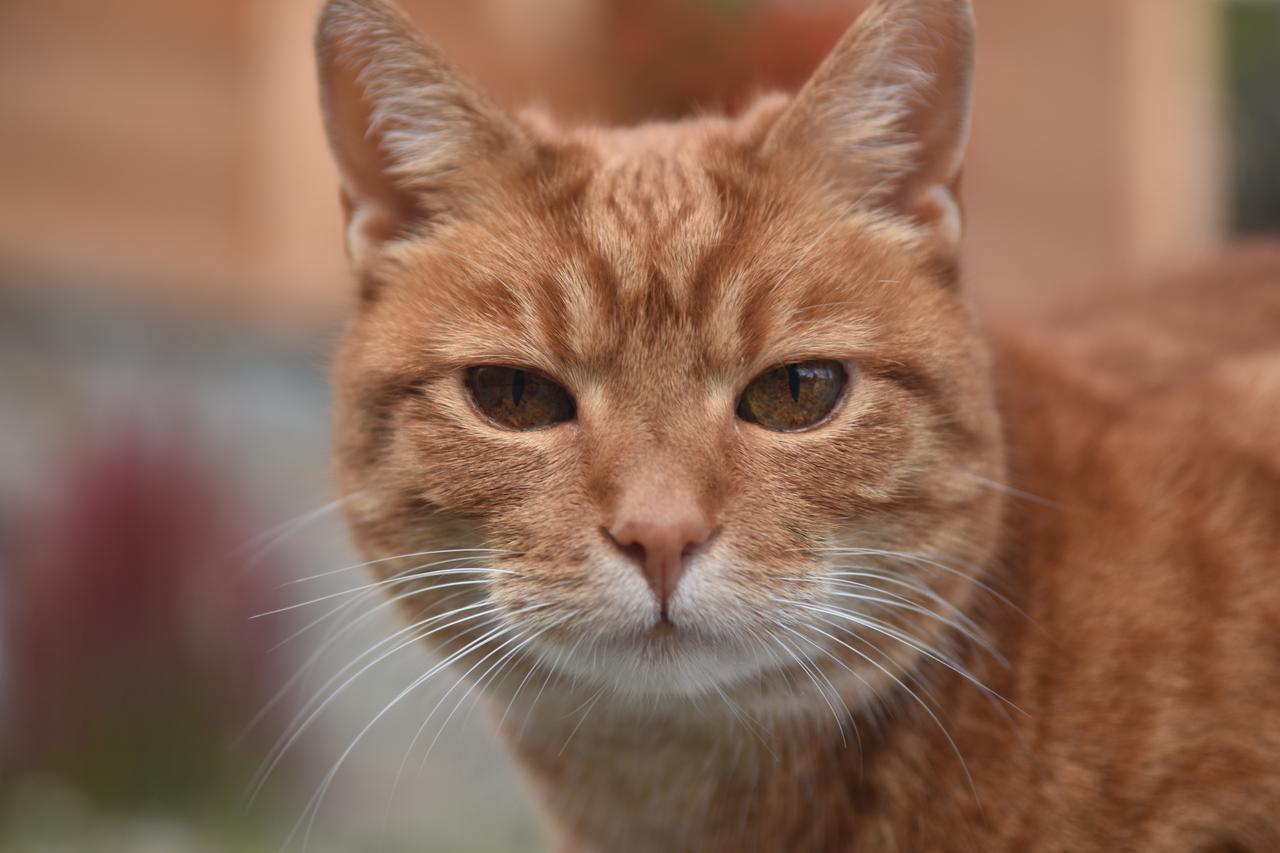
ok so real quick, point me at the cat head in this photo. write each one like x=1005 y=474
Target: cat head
x=701 y=400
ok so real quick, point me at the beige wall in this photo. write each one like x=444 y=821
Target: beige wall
x=118 y=146
x=173 y=150
x=1096 y=143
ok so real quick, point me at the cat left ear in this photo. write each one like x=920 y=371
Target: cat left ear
x=886 y=116
x=410 y=135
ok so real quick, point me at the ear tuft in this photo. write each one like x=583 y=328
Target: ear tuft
x=405 y=128
x=886 y=116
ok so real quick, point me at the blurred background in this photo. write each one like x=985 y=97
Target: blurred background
x=172 y=281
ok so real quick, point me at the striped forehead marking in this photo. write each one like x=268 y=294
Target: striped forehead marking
x=651 y=219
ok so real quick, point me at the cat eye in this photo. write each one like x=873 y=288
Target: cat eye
x=519 y=399
x=793 y=397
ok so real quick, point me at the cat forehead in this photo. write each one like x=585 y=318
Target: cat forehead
x=655 y=246
x=652 y=216
x=652 y=194
x=738 y=311
x=657 y=185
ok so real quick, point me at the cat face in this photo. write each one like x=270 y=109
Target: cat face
x=701 y=399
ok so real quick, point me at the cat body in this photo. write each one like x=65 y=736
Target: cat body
x=765 y=543
x=1142 y=665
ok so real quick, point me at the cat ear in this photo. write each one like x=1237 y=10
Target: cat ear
x=886 y=116
x=407 y=131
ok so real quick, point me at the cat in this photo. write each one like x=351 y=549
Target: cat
x=683 y=443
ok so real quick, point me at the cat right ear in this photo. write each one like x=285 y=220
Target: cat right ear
x=409 y=134
x=885 y=119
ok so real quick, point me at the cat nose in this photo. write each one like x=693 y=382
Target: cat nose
x=660 y=539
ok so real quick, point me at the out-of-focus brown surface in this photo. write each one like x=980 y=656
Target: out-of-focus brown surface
x=174 y=150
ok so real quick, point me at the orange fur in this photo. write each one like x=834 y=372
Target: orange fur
x=1052 y=622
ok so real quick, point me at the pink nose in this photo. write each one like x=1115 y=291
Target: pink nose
x=660 y=541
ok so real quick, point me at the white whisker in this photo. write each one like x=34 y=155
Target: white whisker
x=581 y=720
x=804 y=662
x=955 y=748
x=267 y=541
x=829 y=654
x=317 y=799
x=468 y=554
x=889 y=631
x=333 y=638
x=431 y=714
x=369 y=592
x=392 y=581
x=550 y=673
x=912 y=607
x=1005 y=488
x=310 y=711
x=489 y=674
x=925 y=560
x=841 y=573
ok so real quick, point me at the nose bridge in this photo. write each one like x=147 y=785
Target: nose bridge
x=657 y=449
x=662 y=458
x=655 y=489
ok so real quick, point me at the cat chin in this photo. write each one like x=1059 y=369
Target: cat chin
x=711 y=684
x=664 y=663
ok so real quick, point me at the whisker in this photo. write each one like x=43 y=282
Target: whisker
x=307 y=714
x=392 y=581
x=828 y=653
x=870 y=573
x=938 y=722
x=265 y=542
x=532 y=669
x=369 y=592
x=431 y=714
x=895 y=599
x=520 y=654
x=747 y=721
x=779 y=662
x=894 y=634
x=911 y=607
x=1005 y=488
x=317 y=799
x=926 y=560
x=581 y=720
x=546 y=679
x=489 y=675
x=803 y=661
x=469 y=554
x=333 y=638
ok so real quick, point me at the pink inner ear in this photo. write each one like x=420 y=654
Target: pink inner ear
x=377 y=208
x=402 y=123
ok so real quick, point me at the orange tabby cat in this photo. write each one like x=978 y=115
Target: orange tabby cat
x=771 y=548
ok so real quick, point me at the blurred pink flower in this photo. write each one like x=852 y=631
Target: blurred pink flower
x=133 y=661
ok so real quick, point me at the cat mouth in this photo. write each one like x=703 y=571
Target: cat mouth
x=664 y=633
x=666 y=639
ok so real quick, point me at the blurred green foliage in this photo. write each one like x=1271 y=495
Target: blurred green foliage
x=1252 y=53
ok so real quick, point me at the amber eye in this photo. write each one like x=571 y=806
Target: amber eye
x=519 y=399
x=793 y=397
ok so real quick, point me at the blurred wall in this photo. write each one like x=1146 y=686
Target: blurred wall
x=173 y=151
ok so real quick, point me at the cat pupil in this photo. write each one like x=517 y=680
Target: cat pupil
x=517 y=387
x=793 y=378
